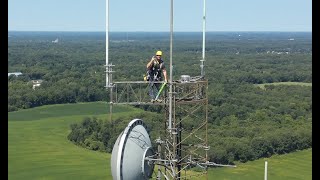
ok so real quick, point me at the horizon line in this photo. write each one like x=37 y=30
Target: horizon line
x=152 y=31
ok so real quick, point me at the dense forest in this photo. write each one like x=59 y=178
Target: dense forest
x=246 y=122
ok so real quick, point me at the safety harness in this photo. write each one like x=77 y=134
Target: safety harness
x=154 y=74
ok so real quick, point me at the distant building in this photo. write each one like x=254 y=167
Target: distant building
x=56 y=41
x=15 y=73
x=36 y=83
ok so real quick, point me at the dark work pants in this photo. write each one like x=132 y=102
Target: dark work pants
x=154 y=89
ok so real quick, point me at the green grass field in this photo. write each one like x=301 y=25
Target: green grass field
x=62 y=110
x=38 y=148
x=293 y=166
x=262 y=86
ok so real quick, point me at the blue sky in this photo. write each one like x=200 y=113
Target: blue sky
x=154 y=15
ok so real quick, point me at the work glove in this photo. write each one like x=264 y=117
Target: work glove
x=155 y=61
x=153 y=58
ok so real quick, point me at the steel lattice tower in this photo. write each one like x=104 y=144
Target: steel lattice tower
x=182 y=148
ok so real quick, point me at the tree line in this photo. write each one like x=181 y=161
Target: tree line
x=246 y=122
x=73 y=69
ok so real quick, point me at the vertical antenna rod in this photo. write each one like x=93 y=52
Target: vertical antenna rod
x=170 y=79
x=203 y=38
x=108 y=66
x=107 y=43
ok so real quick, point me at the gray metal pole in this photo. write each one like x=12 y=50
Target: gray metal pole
x=170 y=79
x=203 y=38
x=107 y=43
x=108 y=67
x=265 y=170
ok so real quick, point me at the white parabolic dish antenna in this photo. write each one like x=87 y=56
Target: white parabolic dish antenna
x=129 y=152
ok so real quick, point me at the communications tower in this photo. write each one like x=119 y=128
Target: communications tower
x=181 y=151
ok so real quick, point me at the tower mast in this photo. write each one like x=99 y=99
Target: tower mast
x=203 y=38
x=108 y=66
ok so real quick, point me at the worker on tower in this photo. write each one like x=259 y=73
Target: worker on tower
x=155 y=68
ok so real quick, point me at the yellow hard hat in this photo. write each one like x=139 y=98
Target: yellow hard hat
x=159 y=53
